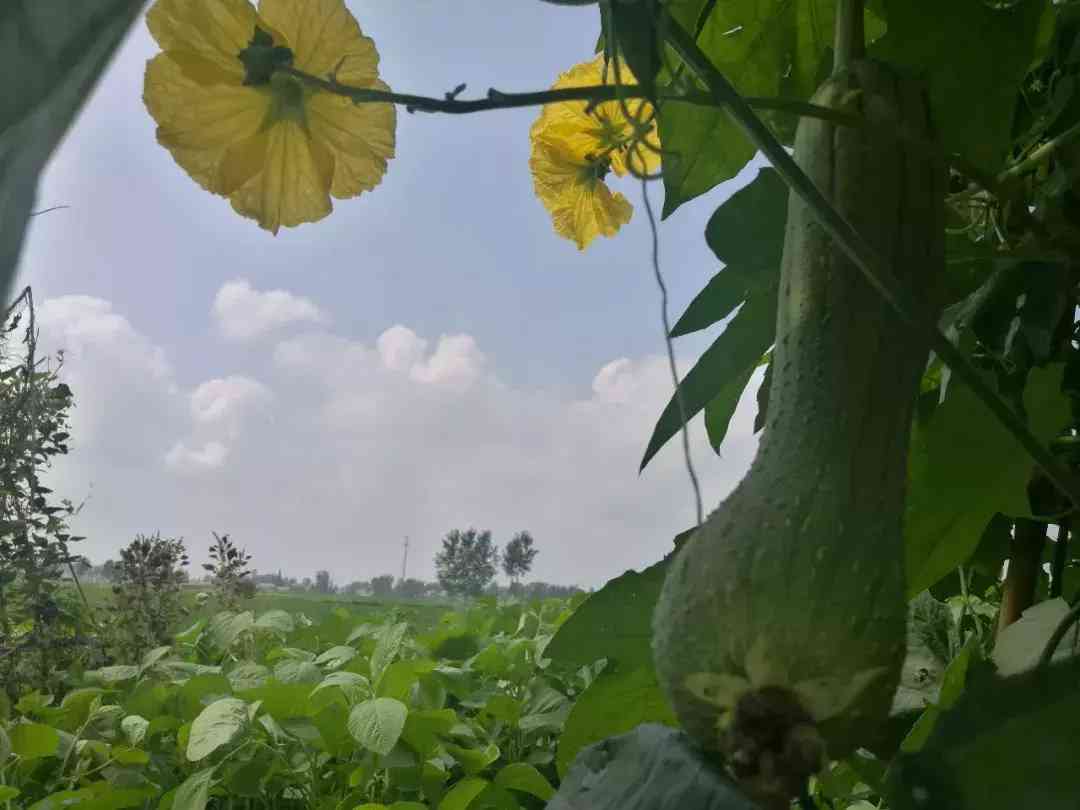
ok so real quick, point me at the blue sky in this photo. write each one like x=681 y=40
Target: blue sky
x=434 y=356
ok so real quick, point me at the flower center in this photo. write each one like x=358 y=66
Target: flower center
x=608 y=133
x=288 y=94
x=596 y=168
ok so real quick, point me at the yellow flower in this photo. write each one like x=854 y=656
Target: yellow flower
x=277 y=148
x=574 y=147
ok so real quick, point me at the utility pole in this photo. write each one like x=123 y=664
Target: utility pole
x=405 y=558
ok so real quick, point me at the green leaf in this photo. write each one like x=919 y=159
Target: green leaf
x=974 y=81
x=5 y=746
x=424 y=729
x=377 y=724
x=275 y=621
x=461 y=795
x=387 y=646
x=194 y=792
x=473 y=760
x=616 y=702
x=113 y=675
x=337 y=656
x=746 y=232
x=765 y=48
x=352 y=684
x=282 y=701
x=614 y=623
x=7 y=793
x=199 y=692
x=292 y=671
x=525 y=778
x=650 y=768
x=226 y=628
x=964 y=467
x=134 y=728
x=152 y=658
x=737 y=350
x=1030 y=721
x=34 y=740
x=97 y=796
x=397 y=681
x=248 y=675
x=217 y=725
x=1019 y=646
x=58 y=51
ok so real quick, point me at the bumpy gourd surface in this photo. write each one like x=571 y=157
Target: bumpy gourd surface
x=801 y=567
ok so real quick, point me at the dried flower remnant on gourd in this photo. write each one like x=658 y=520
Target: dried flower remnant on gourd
x=575 y=146
x=276 y=147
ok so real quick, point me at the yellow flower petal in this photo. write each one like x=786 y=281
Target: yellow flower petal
x=593 y=132
x=208 y=33
x=360 y=136
x=581 y=207
x=322 y=35
x=198 y=123
x=292 y=187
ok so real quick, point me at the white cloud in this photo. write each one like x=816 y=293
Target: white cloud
x=370 y=442
x=211 y=456
x=227 y=401
x=244 y=313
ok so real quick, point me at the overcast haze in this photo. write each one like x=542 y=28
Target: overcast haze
x=431 y=356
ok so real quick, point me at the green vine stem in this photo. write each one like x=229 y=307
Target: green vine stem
x=861 y=253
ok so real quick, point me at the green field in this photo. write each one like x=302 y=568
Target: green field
x=422 y=615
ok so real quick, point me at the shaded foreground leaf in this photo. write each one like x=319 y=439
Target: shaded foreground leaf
x=651 y=768
x=58 y=50
x=1029 y=721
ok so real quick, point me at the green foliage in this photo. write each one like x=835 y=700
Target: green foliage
x=228 y=568
x=747 y=233
x=381 y=722
x=147 y=601
x=517 y=558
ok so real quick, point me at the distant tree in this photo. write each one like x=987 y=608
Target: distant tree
x=146 y=600
x=518 y=557
x=109 y=571
x=307 y=584
x=357 y=587
x=467 y=562
x=545 y=590
x=382 y=586
x=410 y=588
x=323 y=583
x=228 y=568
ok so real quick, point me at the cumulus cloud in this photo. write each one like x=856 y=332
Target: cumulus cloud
x=184 y=459
x=244 y=313
x=228 y=401
x=372 y=441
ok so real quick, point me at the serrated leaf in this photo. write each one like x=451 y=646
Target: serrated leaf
x=377 y=724
x=217 y=725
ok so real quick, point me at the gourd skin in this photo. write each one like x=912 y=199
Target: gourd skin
x=806 y=556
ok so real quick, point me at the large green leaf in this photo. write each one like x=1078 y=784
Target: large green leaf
x=964 y=467
x=377 y=724
x=52 y=53
x=614 y=623
x=217 y=725
x=765 y=48
x=615 y=703
x=974 y=55
x=525 y=778
x=34 y=740
x=747 y=234
x=461 y=795
x=1006 y=743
